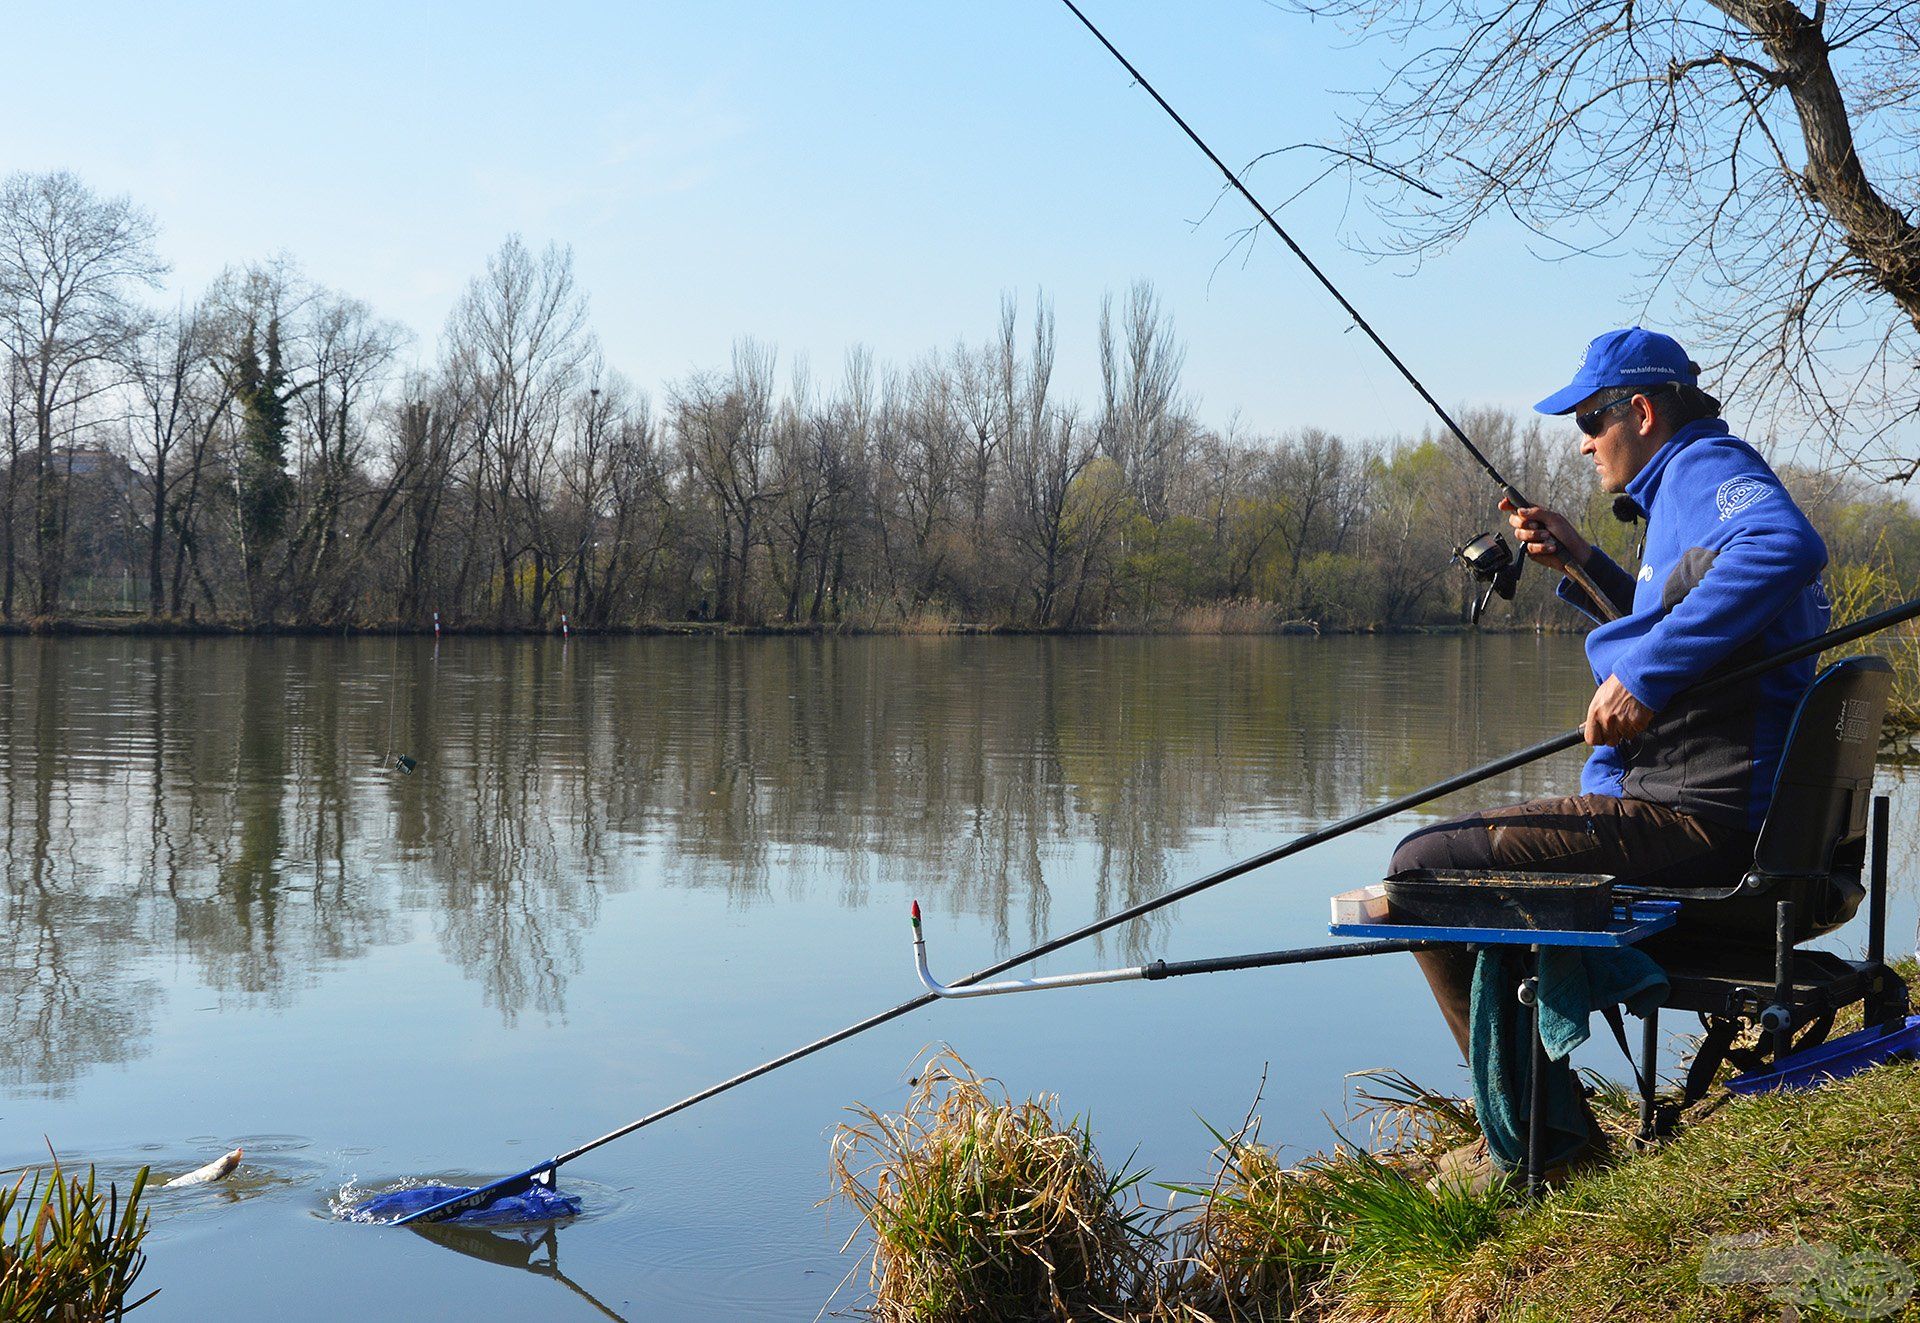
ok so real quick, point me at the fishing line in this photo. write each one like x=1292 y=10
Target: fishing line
x=393 y=694
x=1503 y=578
x=388 y=761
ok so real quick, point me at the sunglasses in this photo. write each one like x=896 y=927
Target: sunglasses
x=1589 y=422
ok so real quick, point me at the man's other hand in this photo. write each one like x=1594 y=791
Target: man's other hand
x=1615 y=715
x=1546 y=535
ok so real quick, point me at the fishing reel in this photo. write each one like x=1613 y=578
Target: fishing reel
x=1489 y=559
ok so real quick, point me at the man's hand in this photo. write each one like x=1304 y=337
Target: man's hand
x=1615 y=715
x=1546 y=535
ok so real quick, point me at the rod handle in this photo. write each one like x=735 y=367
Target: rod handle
x=1601 y=602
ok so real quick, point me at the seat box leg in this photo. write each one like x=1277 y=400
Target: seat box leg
x=1778 y=1018
x=1649 y=1075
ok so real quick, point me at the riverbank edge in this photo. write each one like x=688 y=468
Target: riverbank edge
x=166 y=627
x=1807 y=1200
x=1786 y=1199
x=1772 y=1200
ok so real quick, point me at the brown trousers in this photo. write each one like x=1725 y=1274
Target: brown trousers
x=1634 y=840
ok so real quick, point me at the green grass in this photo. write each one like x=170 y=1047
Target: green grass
x=1839 y=1166
x=67 y=1251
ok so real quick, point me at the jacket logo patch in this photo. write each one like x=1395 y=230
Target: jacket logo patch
x=1646 y=574
x=1737 y=494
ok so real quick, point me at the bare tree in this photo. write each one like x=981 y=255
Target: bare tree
x=1759 y=156
x=425 y=455
x=725 y=429
x=1144 y=424
x=16 y=428
x=808 y=476
x=980 y=405
x=1313 y=473
x=639 y=523
x=347 y=354
x=69 y=261
x=922 y=453
x=177 y=396
x=617 y=490
x=518 y=338
x=1045 y=453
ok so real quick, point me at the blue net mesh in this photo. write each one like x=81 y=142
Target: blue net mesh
x=534 y=1204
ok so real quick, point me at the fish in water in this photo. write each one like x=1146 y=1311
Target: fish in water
x=217 y=1170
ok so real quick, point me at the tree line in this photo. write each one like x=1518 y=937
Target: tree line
x=267 y=455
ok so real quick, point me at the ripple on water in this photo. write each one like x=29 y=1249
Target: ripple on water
x=342 y=1204
x=682 y=1268
x=271 y=1162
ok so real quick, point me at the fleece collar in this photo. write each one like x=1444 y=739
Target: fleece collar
x=1647 y=481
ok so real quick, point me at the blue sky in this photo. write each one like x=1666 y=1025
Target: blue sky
x=813 y=174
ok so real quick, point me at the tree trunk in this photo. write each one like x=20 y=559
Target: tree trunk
x=156 y=536
x=46 y=512
x=1876 y=231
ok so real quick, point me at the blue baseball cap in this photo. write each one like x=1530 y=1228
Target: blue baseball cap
x=1633 y=357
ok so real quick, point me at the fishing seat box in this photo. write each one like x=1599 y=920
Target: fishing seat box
x=1734 y=956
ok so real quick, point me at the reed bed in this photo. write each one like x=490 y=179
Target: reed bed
x=68 y=1252
x=1239 y=615
x=983 y=1208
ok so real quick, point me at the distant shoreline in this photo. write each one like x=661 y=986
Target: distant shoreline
x=136 y=626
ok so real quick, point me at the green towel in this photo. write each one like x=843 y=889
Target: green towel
x=1574 y=982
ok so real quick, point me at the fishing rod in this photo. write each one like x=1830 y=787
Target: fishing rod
x=545 y=1174
x=1159 y=969
x=1487 y=555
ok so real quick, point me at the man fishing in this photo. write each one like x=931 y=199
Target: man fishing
x=1675 y=789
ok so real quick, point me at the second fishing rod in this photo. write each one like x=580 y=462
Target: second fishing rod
x=1487 y=555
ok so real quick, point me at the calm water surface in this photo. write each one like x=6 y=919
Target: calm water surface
x=625 y=869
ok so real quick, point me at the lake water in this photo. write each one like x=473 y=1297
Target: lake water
x=624 y=869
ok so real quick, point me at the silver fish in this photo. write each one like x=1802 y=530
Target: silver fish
x=217 y=1170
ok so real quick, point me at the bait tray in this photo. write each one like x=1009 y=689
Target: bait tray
x=1459 y=899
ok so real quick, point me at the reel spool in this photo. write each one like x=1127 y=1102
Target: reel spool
x=1489 y=559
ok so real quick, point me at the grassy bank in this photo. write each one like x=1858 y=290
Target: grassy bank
x=1810 y=1200
x=1758 y=1208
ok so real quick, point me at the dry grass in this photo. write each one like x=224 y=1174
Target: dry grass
x=979 y=1207
x=1242 y=615
x=982 y=1208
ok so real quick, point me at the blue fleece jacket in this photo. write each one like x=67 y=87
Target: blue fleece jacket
x=1730 y=573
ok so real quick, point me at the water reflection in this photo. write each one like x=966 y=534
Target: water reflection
x=534 y=1250
x=231 y=802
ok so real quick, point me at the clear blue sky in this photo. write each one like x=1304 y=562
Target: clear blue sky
x=813 y=174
